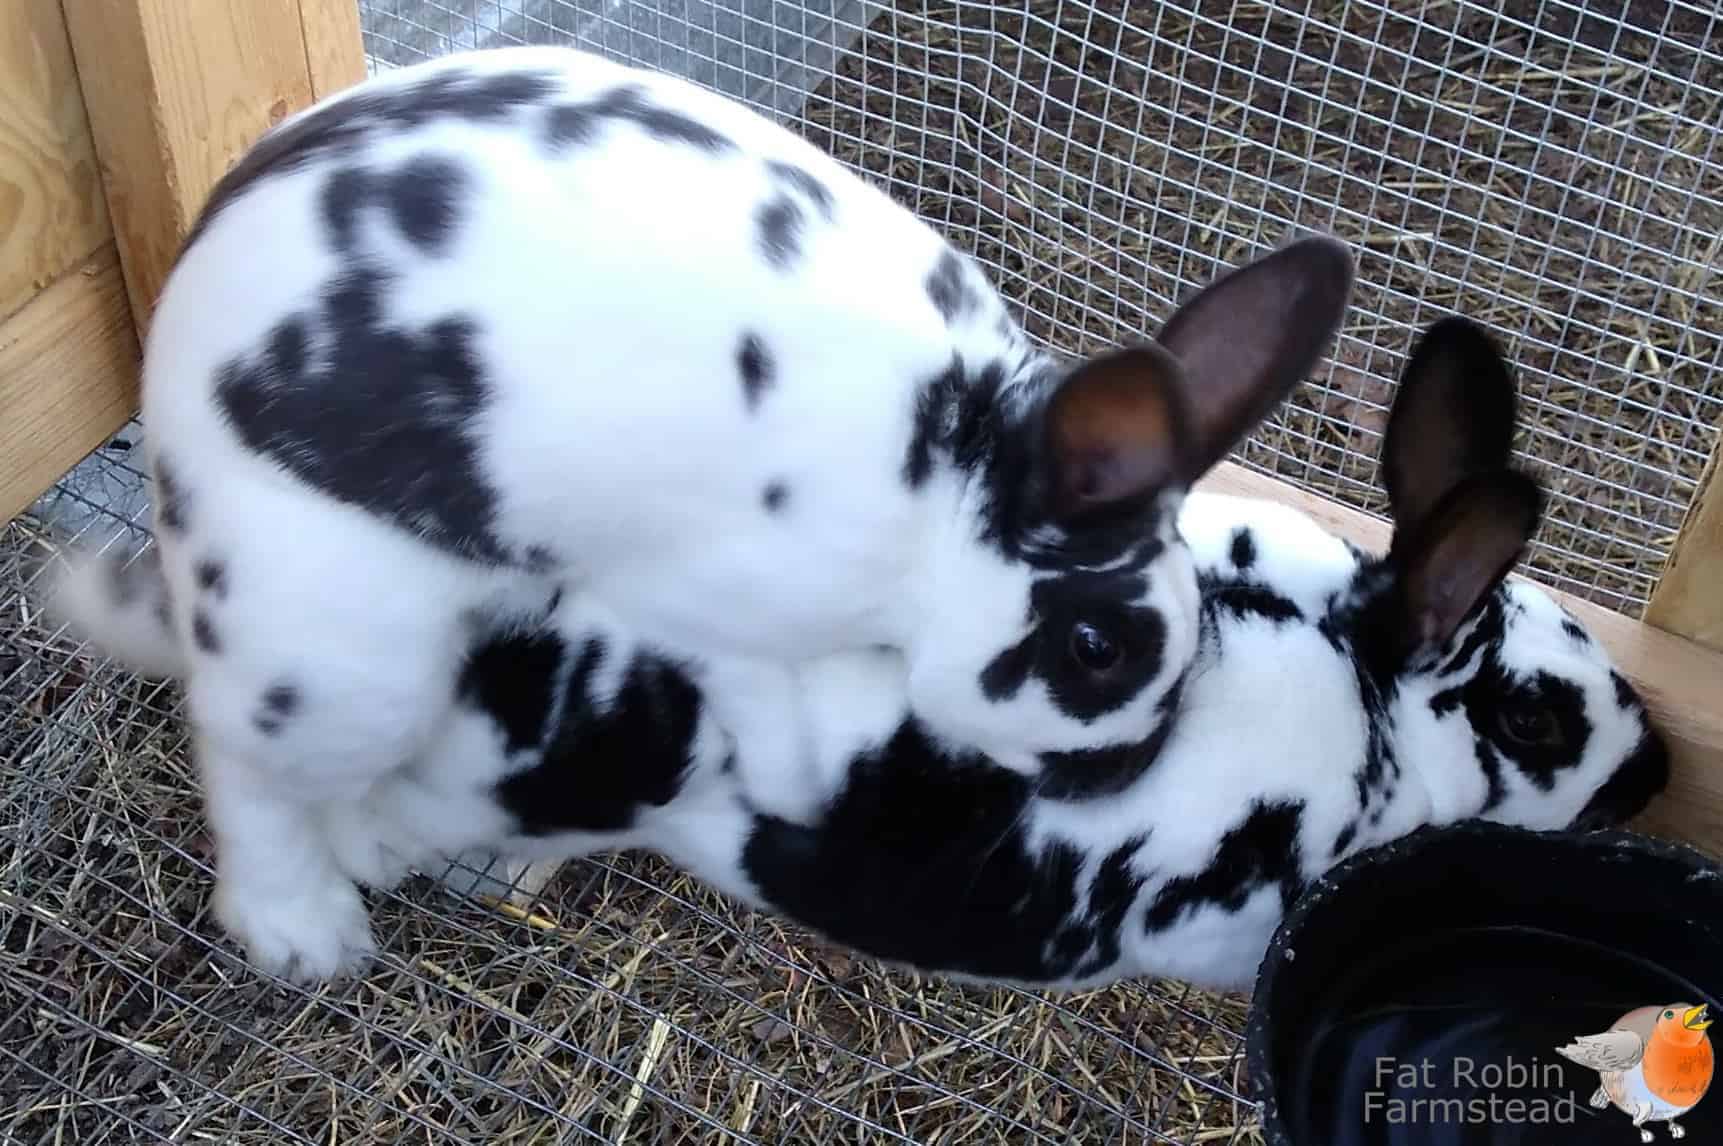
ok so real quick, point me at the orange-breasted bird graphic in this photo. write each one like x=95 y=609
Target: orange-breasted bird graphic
x=1655 y=1064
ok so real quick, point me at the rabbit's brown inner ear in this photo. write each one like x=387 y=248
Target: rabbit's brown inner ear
x=1249 y=337
x=1115 y=430
x=1469 y=544
x=1452 y=418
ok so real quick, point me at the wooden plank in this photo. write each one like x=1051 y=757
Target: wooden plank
x=68 y=377
x=52 y=215
x=1688 y=600
x=1682 y=681
x=334 y=44
x=177 y=90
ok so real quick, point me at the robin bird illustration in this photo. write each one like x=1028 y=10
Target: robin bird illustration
x=1655 y=1063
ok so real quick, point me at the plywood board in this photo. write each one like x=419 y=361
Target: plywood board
x=177 y=90
x=52 y=215
x=68 y=377
x=1689 y=595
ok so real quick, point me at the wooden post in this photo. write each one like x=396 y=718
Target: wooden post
x=68 y=354
x=1688 y=600
x=177 y=90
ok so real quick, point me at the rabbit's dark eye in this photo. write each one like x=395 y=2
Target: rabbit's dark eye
x=1092 y=648
x=1530 y=725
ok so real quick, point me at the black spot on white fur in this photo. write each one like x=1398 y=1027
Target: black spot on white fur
x=1492 y=689
x=581 y=123
x=1243 y=548
x=203 y=632
x=800 y=180
x=540 y=560
x=754 y=365
x=949 y=289
x=1625 y=697
x=513 y=679
x=599 y=762
x=211 y=577
x=345 y=194
x=422 y=199
x=170 y=497
x=1262 y=851
x=1242 y=600
x=951 y=882
x=279 y=701
x=348 y=125
x=779 y=223
x=1086 y=774
x=1059 y=602
x=1575 y=631
x=964 y=422
x=774 y=496
x=1631 y=787
x=382 y=419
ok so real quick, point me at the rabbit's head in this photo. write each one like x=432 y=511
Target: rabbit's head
x=1501 y=702
x=1063 y=607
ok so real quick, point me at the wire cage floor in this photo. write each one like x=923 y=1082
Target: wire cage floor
x=624 y=1003
x=1549 y=167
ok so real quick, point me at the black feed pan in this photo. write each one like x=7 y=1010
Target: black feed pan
x=1448 y=967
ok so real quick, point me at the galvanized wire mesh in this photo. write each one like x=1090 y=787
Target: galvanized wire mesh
x=1548 y=167
x=624 y=1002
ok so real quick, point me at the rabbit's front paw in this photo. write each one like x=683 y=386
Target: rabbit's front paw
x=314 y=932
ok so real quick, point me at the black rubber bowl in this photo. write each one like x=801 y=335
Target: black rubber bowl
x=1469 y=954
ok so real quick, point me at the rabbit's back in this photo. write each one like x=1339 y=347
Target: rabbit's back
x=457 y=294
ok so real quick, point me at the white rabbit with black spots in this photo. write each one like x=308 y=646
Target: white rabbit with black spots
x=1337 y=700
x=526 y=320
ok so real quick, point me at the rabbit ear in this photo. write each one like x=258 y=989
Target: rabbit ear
x=1115 y=430
x=1467 y=545
x=1249 y=337
x=1452 y=418
x=1129 y=423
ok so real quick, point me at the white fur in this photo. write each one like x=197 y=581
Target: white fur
x=610 y=284
x=130 y=630
x=618 y=381
x=1270 y=713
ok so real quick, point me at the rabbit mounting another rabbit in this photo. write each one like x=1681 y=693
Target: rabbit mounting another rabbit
x=520 y=321
x=1337 y=699
x=523 y=324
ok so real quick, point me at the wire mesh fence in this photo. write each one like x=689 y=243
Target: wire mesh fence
x=1549 y=168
